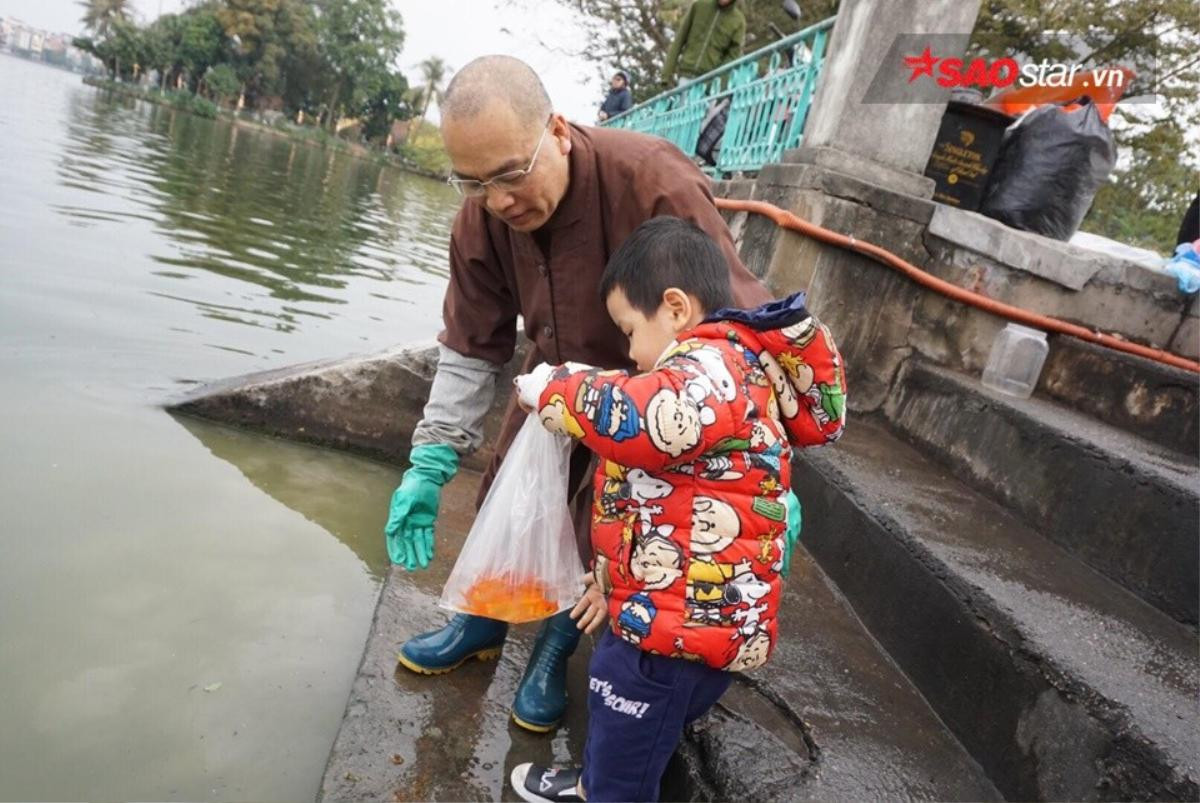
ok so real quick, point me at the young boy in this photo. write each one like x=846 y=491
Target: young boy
x=689 y=514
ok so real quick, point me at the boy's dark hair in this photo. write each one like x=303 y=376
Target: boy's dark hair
x=668 y=252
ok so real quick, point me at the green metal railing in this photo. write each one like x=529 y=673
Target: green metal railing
x=768 y=93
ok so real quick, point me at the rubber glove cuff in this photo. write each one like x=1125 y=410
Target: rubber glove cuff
x=436 y=462
x=795 y=520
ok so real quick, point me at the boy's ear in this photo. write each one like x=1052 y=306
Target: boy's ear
x=679 y=306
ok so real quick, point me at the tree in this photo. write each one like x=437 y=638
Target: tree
x=389 y=102
x=202 y=44
x=100 y=15
x=222 y=82
x=159 y=46
x=433 y=76
x=635 y=35
x=108 y=20
x=121 y=50
x=360 y=40
x=268 y=37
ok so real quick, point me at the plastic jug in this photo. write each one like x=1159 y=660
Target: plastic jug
x=1016 y=361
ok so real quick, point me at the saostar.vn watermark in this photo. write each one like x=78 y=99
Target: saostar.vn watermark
x=923 y=68
x=1001 y=73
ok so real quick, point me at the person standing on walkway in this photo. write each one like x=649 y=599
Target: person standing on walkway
x=620 y=97
x=712 y=33
x=546 y=203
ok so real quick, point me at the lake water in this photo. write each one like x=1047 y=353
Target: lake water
x=182 y=606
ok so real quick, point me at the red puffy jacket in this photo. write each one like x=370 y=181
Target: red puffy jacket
x=689 y=518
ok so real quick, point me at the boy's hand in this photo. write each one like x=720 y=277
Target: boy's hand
x=531 y=385
x=592 y=609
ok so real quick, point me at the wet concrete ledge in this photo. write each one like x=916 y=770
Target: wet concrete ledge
x=367 y=404
x=1156 y=401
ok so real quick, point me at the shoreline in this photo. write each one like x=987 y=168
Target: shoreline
x=330 y=141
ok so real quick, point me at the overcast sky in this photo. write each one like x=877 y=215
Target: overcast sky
x=456 y=30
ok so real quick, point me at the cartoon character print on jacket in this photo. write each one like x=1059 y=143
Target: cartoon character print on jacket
x=624 y=496
x=610 y=412
x=657 y=561
x=695 y=459
x=636 y=618
x=824 y=396
x=674 y=421
x=557 y=417
x=749 y=653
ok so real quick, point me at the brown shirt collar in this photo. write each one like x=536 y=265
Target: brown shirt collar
x=581 y=179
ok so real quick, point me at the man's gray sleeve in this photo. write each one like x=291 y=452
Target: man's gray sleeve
x=462 y=393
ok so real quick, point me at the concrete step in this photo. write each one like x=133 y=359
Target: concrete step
x=1061 y=683
x=829 y=718
x=1127 y=506
x=1148 y=399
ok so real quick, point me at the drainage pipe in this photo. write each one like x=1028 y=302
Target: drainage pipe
x=788 y=220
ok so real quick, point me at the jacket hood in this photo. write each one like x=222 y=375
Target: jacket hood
x=800 y=359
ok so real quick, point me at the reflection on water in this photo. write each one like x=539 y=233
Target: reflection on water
x=337 y=492
x=182 y=608
x=297 y=222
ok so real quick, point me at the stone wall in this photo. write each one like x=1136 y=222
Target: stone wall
x=881 y=317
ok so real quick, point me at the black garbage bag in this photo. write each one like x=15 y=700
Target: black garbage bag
x=1051 y=164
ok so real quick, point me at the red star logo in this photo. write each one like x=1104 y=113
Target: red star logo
x=921 y=65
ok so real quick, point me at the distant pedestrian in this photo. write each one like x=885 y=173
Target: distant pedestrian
x=712 y=33
x=620 y=98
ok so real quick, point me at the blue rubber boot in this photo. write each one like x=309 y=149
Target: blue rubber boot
x=542 y=696
x=463 y=637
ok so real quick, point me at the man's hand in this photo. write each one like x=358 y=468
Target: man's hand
x=414 y=508
x=591 y=611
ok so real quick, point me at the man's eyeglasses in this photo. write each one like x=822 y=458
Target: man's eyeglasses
x=505 y=182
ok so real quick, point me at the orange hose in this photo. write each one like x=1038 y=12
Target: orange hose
x=791 y=221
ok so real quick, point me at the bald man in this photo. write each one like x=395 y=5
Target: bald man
x=545 y=204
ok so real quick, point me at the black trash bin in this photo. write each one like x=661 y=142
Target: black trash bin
x=966 y=147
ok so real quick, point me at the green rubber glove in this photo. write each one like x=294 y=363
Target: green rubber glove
x=409 y=529
x=794 y=520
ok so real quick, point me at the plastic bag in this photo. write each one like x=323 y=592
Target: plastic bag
x=1051 y=164
x=1185 y=267
x=520 y=563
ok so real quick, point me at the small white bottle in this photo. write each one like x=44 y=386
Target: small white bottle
x=1016 y=361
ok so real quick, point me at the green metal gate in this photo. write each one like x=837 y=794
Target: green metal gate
x=768 y=93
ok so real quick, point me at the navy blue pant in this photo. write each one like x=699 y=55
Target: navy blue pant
x=638 y=705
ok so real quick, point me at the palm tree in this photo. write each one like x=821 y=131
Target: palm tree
x=433 y=72
x=99 y=15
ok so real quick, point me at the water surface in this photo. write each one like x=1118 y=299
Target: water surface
x=182 y=607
